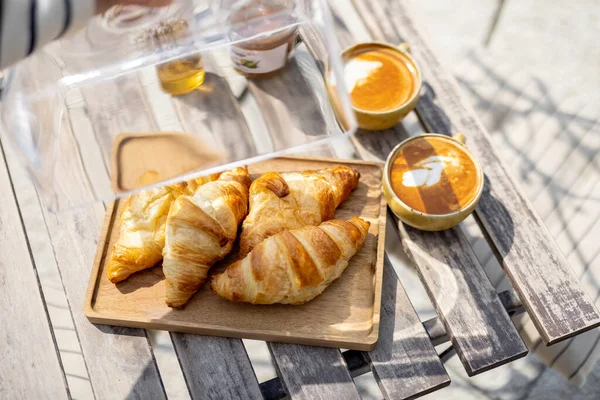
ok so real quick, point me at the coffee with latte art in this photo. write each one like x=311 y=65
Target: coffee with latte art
x=379 y=78
x=435 y=175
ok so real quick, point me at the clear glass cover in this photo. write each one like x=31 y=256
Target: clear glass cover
x=144 y=97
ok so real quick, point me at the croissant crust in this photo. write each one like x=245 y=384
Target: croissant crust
x=200 y=231
x=293 y=267
x=280 y=202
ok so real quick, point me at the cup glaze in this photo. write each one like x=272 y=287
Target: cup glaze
x=416 y=218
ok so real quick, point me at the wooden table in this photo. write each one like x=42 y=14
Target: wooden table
x=45 y=261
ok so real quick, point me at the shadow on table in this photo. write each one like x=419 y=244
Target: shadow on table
x=419 y=359
x=293 y=100
x=501 y=215
x=511 y=113
x=148 y=385
x=213 y=111
x=427 y=108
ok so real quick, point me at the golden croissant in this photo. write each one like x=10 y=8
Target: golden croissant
x=200 y=231
x=295 y=266
x=142 y=233
x=280 y=202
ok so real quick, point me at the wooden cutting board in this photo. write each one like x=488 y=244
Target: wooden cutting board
x=346 y=315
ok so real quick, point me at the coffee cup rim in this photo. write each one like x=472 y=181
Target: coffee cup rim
x=405 y=54
x=388 y=170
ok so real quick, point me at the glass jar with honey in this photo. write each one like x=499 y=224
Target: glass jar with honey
x=161 y=30
x=181 y=76
x=272 y=22
x=185 y=74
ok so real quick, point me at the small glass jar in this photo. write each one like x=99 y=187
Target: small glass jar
x=185 y=74
x=181 y=76
x=267 y=55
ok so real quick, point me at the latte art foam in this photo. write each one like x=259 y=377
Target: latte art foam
x=434 y=175
x=428 y=172
x=357 y=72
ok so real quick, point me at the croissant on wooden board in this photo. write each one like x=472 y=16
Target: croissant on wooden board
x=142 y=228
x=293 y=267
x=280 y=202
x=200 y=231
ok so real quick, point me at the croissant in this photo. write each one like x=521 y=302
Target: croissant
x=280 y=202
x=200 y=231
x=293 y=267
x=142 y=233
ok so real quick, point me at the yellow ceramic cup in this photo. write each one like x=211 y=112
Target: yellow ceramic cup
x=421 y=220
x=379 y=120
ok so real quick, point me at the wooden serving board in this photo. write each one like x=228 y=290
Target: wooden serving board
x=346 y=315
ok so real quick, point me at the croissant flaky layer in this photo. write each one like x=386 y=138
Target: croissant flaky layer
x=200 y=231
x=142 y=231
x=280 y=202
x=293 y=267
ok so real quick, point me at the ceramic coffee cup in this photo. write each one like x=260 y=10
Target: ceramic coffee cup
x=430 y=221
x=379 y=120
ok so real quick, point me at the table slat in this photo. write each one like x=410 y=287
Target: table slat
x=402 y=338
x=119 y=361
x=306 y=372
x=404 y=363
x=215 y=367
x=475 y=319
x=212 y=112
x=546 y=284
x=30 y=366
x=290 y=104
x=454 y=270
x=311 y=373
x=498 y=341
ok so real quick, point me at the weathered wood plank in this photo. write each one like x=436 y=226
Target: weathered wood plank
x=328 y=376
x=108 y=352
x=475 y=320
x=50 y=282
x=213 y=367
x=452 y=272
x=455 y=270
x=548 y=288
x=118 y=361
x=216 y=368
x=404 y=363
x=114 y=99
x=360 y=363
x=313 y=372
x=30 y=366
